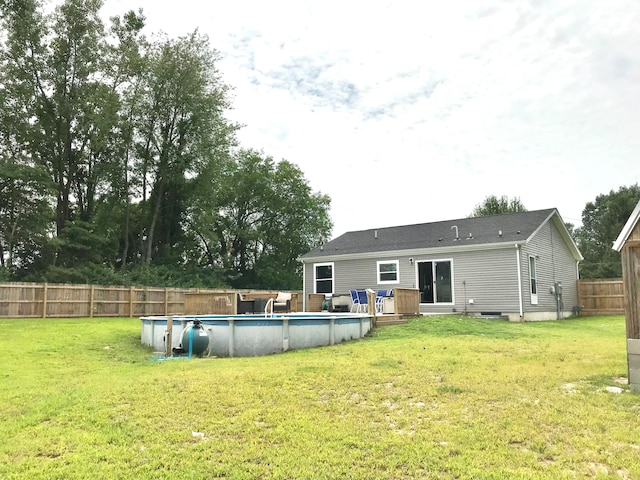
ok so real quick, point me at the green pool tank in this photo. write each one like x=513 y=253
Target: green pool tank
x=195 y=339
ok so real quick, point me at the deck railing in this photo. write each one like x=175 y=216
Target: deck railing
x=406 y=301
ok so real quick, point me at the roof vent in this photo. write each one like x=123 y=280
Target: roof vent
x=375 y=234
x=499 y=233
x=457 y=236
x=470 y=237
x=321 y=247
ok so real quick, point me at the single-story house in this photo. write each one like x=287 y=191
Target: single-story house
x=520 y=265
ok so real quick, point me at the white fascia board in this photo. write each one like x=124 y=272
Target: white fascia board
x=568 y=238
x=542 y=224
x=628 y=227
x=413 y=252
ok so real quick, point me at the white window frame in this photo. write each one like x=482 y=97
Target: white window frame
x=333 y=276
x=534 y=287
x=384 y=262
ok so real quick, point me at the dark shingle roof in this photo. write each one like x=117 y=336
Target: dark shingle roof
x=507 y=228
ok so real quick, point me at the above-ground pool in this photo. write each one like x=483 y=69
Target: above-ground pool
x=250 y=335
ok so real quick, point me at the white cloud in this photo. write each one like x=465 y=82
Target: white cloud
x=418 y=110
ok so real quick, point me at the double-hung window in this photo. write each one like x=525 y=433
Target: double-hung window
x=388 y=271
x=323 y=277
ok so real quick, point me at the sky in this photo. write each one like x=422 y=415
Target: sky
x=408 y=112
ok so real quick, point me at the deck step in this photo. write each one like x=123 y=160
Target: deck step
x=386 y=323
x=384 y=320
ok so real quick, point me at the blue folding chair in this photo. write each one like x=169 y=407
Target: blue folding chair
x=355 y=301
x=363 y=301
x=380 y=295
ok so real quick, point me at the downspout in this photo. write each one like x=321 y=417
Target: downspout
x=577 y=308
x=519 y=280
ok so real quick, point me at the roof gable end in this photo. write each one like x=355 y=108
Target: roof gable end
x=627 y=229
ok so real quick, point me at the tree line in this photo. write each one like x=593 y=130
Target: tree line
x=602 y=222
x=118 y=165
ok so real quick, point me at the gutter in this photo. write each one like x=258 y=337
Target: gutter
x=519 y=280
x=405 y=252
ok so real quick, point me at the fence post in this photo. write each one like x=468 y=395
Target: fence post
x=44 y=300
x=579 y=290
x=91 y=294
x=131 y=302
x=166 y=301
x=169 y=351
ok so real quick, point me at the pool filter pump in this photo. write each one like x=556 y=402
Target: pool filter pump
x=195 y=339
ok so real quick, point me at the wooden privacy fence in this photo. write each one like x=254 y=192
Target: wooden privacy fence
x=22 y=300
x=601 y=297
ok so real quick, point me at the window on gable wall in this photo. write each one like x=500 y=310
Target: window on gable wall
x=533 y=280
x=388 y=271
x=323 y=277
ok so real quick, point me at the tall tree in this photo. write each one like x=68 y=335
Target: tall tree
x=25 y=188
x=493 y=205
x=25 y=213
x=63 y=111
x=602 y=221
x=297 y=221
x=129 y=63
x=126 y=143
x=257 y=220
x=52 y=71
x=181 y=127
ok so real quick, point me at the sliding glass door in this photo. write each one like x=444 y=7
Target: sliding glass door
x=435 y=281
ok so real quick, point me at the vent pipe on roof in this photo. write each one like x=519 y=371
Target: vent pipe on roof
x=375 y=234
x=456 y=227
x=499 y=233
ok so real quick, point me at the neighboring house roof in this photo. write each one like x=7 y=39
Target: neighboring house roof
x=627 y=229
x=477 y=233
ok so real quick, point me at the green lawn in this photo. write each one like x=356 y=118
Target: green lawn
x=442 y=397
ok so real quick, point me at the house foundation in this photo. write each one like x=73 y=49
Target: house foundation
x=633 y=350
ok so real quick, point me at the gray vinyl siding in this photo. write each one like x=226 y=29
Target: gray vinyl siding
x=555 y=263
x=489 y=276
x=307 y=279
x=355 y=274
x=349 y=275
